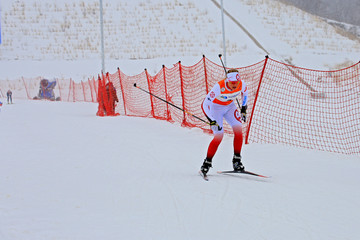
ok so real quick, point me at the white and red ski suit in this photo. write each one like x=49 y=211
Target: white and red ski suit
x=219 y=104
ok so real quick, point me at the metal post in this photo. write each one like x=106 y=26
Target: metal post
x=102 y=38
x=223 y=30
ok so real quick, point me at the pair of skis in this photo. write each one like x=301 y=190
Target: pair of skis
x=205 y=177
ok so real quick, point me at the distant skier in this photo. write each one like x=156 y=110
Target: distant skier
x=219 y=104
x=9 y=96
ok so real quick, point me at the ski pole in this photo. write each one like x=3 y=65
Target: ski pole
x=225 y=76
x=222 y=63
x=171 y=104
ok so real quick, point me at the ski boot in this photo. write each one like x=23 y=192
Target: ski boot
x=237 y=165
x=205 y=167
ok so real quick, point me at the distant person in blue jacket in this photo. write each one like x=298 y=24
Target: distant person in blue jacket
x=9 y=96
x=46 y=90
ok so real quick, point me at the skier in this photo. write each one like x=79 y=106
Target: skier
x=9 y=96
x=219 y=104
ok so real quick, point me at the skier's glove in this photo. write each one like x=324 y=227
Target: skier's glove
x=214 y=125
x=243 y=113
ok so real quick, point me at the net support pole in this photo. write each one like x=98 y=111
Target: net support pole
x=256 y=96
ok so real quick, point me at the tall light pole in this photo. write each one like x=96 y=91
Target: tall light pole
x=223 y=31
x=102 y=38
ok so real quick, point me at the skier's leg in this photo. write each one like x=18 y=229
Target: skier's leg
x=218 y=132
x=238 y=139
x=233 y=118
x=214 y=144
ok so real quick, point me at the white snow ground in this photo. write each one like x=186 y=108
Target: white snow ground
x=67 y=174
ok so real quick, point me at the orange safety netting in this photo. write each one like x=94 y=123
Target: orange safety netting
x=287 y=104
x=62 y=90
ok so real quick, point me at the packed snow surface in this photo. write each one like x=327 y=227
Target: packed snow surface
x=67 y=174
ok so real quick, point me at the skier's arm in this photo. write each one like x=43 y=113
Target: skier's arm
x=244 y=102
x=244 y=95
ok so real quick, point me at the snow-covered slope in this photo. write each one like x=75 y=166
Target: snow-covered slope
x=67 y=174
x=62 y=38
